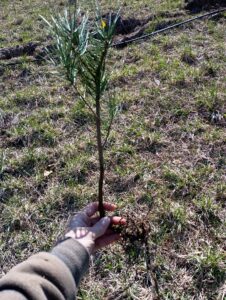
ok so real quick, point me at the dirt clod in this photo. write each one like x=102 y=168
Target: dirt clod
x=135 y=234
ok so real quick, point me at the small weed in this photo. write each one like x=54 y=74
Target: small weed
x=210 y=267
x=61 y=198
x=15 y=216
x=30 y=163
x=210 y=69
x=80 y=115
x=75 y=171
x=28 y=98
x=188 y=56
x=181 y=182
x=31 y=133
x=175 y=220
x=206 y=204
x=26 y=166
x=146 y=199
x=121 y=154
x=210 y=105
x=208 y=210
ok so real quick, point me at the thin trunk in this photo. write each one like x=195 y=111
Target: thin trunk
x=99 y=76
x=101 y=158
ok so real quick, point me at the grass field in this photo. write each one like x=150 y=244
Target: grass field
x=167 y=151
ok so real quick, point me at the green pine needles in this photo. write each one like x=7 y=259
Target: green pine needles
x=81 y=48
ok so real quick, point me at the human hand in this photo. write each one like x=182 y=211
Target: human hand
x=94 y=232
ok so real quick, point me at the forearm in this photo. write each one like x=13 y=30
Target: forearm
x=43 y=276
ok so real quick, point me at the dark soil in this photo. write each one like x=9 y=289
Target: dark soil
x=126 y=26
x=196 y=6
x=8 y=53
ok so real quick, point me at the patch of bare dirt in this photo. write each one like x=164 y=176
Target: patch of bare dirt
x=127 y=26
x=149 y=145
x=196 y=6
x=127 y=80
x=120 y=184
x=126 y=29
x=27 y=49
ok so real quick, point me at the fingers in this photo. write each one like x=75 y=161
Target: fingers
x=104 y=241
x=78 y=233
x=115 y=220
x=109 y=206
x=118 y=220
x=81 y=232
x=101 y=227
x=92 y=208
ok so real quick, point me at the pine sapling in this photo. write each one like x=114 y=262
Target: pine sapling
x=81 y=48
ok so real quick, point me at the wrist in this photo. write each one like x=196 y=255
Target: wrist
x=74 y=255
x=87 y=241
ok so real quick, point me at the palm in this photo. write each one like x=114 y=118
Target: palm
x=91 y=231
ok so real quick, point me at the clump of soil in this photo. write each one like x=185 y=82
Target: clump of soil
x=136 y=243
x=136 y=232
x=199 y=5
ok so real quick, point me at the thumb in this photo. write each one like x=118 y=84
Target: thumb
x=101 y=226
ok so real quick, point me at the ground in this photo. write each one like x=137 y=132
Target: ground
x=166 y=155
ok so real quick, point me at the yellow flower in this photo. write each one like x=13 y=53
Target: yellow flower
x=103 y=24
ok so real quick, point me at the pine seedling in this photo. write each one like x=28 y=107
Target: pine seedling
x=81 y=48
